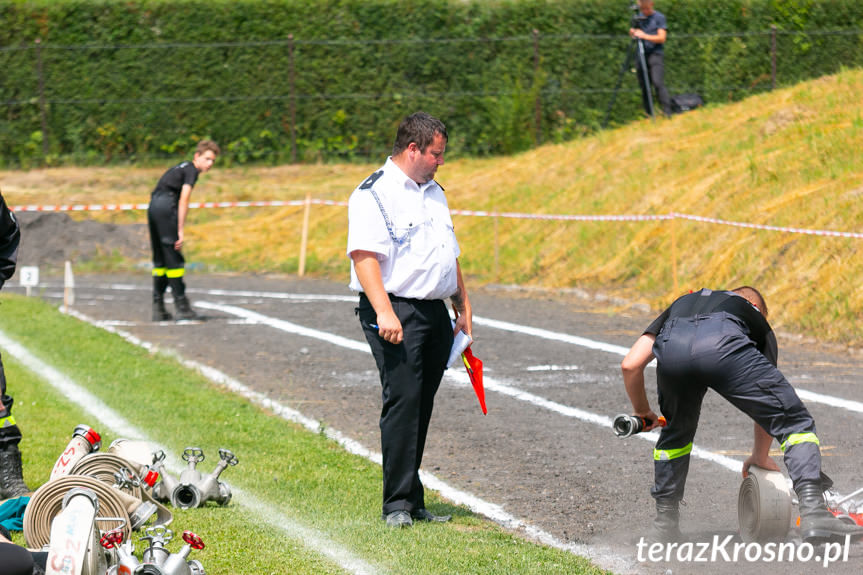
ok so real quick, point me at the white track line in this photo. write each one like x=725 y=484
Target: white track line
x=810 y=396
x=832 y=401
x=489 y=383
x=97 y=409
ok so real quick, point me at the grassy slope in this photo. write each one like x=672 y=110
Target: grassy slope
x=790 y=158
x=302 y=475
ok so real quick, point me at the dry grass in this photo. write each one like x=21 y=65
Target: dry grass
x=790 y=158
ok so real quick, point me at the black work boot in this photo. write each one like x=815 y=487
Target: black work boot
x=11 y=474
x=817 y=523
x=160 y=284
x=665 y=524
x=159 y=311
x=184 y=308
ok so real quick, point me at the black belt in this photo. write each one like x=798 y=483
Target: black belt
x=364 y=297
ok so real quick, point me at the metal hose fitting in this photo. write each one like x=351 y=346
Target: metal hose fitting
x=193 y=489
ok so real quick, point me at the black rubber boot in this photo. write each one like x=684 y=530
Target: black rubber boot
x=666 y=523
x=184 y=308
x=160 y=284
x=11 y=473
x=817 y=523
x=159 y=311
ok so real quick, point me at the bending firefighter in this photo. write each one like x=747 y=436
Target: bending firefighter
x=11 y=473
x=721 y=340
x=166 y=216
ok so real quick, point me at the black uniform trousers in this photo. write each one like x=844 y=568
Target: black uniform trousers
x=15 y=560
x=713 y=351
x=10 y=433
x=410 y=374
x=168 y=262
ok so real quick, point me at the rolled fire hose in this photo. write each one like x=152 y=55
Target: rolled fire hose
x=106 y=467
x=47 y=502
x=74 y=547
x=138 y=453
x=764 y=506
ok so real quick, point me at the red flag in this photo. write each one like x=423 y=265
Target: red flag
x=474 y=370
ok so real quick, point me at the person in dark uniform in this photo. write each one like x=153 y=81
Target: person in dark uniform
x=652 y=30
x=721 y=340
x=17 y=560
x=404 y=263
x=11 y=472
x=166 y=216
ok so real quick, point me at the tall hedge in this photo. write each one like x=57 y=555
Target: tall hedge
x=284 y=80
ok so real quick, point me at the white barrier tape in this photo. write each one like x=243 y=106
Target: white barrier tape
x=564 y=217
x=78 y=208
x=769 y=228
x=121 y=207
x=476 y=213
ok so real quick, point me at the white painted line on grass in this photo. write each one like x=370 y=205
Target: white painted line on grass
x=89 y=403
x=97 y=409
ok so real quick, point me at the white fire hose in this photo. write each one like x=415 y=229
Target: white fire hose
x=764 y=506
x=115 y=470
x=73 y=535
x=47 y=502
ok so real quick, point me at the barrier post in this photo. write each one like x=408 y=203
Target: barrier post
x=68 y=286
x=496 y=247
x=674 y=253
x=305 y=237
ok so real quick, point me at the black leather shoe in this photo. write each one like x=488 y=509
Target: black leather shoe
x=426 y=515
x=398 y=519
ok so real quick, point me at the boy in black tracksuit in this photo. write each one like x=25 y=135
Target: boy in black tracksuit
x=166 y=216
x=721 y=340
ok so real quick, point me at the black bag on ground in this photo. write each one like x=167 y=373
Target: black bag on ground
x=685 y=102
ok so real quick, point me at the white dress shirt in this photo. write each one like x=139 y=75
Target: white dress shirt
x=418 y=252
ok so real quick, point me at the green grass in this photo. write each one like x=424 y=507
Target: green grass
x=302 y=475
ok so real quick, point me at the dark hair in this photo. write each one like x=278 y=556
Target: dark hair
x=207 y=146
x=419 y=128
x=753 y=296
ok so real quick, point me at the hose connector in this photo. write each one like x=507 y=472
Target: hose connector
x=625 y=425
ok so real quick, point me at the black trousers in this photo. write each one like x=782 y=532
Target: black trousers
x=168 y=262
x=656 y=74
x=15 y=560
x=410 y=374
x=10 y=433
x=713 y=352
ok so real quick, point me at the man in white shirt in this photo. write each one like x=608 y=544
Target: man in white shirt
x=404 y=263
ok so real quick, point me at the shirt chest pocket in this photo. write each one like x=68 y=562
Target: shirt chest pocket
x=410 y=230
